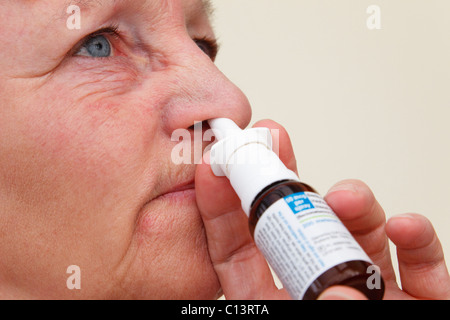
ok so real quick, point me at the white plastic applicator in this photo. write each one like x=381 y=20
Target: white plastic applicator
x=246 y=158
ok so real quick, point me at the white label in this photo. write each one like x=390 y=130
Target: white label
x=301 y=238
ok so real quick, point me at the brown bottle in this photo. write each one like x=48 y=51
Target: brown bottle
x=296 y=256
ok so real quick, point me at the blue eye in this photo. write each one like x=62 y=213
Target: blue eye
x=97 y=46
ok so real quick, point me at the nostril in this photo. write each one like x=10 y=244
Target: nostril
x=204 y=125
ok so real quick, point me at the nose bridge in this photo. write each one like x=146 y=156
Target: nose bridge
x=203 y=92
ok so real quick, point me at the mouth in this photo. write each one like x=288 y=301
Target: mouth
x=170 y=201
x=183 y=190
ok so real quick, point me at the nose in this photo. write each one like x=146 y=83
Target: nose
x=201 y=92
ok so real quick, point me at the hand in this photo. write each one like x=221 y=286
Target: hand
x=244 y=273
x=422 y=267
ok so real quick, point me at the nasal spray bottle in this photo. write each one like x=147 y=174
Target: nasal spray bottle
x=300 y=236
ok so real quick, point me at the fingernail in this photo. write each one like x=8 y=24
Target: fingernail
x=341 y=293
x=334 y=296
x=402 y=216
x=343 y=186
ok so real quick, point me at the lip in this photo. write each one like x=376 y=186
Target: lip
x=181 y=197
x=183 y=189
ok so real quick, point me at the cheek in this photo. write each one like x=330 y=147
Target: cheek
x=76 y=170
x=100 y=135
x=104 y=146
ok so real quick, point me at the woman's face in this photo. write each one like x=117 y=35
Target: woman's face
x=86 y=120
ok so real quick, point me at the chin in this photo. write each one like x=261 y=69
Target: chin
x=168 y=256
x=172 y=276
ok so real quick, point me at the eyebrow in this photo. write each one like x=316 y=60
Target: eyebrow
x=86 y=5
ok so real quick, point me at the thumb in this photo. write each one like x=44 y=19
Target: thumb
x=242 y=270
x=341 y=293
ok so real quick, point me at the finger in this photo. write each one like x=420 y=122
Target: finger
x=242 y=270
x=423 y=271
x=356 y=206
x=341 y=293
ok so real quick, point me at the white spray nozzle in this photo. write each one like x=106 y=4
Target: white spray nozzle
x=246 y=158
x=223 y=127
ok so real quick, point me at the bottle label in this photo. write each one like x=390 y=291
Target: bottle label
x=301 y=238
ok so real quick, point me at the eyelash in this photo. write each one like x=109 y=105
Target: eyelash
x=113 y=31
